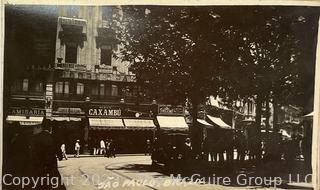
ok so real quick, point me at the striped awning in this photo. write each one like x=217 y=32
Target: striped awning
x=204 y=122
x=23 y=120
x=65 y=118
x=102 y=123
x=172 y=122
x=139 y=124
x=218 y=121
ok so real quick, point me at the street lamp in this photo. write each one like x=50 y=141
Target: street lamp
x=86 y=127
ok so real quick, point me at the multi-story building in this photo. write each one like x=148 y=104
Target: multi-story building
x=60 y=65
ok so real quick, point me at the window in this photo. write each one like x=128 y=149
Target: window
x=114 y=90
x=73 y=11
x=107 y=13
x=106 y=54
x=37 y=86
x=71 y=53
x=102 y=89
x=59 y=87
x=66 y=87
x=80 y=88
x=16 y=86
x=94 y=90
x=108 y=90
x=25 y=85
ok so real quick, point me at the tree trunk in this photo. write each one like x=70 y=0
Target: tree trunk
x=275 y=115
x=267 y=113
x=195 y=130
x=258 y=126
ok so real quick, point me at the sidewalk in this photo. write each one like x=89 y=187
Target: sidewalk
x=89 y=155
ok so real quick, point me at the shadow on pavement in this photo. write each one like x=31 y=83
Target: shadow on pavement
x=271 y=171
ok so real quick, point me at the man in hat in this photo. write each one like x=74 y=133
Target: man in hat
x=77 y=148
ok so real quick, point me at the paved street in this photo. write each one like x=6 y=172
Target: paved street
x=130 y=172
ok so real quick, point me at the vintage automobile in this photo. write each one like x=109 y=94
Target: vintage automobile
x=169 y=141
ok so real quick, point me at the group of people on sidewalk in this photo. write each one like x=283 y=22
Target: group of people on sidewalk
x=107 y=148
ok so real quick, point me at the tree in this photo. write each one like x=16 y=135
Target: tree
x=267 y=48
x=175 y=53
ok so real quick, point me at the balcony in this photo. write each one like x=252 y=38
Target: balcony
x=73 y=66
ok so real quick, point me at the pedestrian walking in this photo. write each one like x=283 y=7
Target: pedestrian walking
x=102 y=147
x=107 y=153
x=112 y=148
x=77 y=148
x=63 y=151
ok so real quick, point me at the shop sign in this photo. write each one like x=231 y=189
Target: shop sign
x=65 y=110
x=107 y=111
x=72 y=21
x=171 y=110
x=28 y=111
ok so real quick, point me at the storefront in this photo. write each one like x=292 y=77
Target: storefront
x=68 y=125
x=128 y=127
x=20 y=118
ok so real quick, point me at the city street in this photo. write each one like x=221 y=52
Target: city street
x=134 y=172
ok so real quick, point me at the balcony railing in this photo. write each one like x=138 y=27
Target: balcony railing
x=74 y=66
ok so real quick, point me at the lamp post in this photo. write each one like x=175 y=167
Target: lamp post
x=86 y=127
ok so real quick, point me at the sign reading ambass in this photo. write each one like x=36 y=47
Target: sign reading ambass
x=28 y=112
x=107 y=111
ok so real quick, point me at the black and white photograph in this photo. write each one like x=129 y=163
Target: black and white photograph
x=161 y=97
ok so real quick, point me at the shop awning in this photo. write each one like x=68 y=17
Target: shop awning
x=309 y=115
x=23 y=120
x=101 y=123
x=218 y=121
x=140 y=124
x=64 y=118
x=204 y=122
x=172 y=122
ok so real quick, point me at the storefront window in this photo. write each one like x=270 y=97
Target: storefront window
x=25 y=85
x=80 y=88
x=114 y=90
x=59 y=87
x=102 y=89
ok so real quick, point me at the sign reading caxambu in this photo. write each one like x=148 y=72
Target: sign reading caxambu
x=115 y=112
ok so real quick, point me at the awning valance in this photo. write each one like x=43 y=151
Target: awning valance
x=204 y=122
x=102 y=123
x=172 y=122
x=218 y=121
x=62 y=118
x=23 y=120
x=139 y=124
